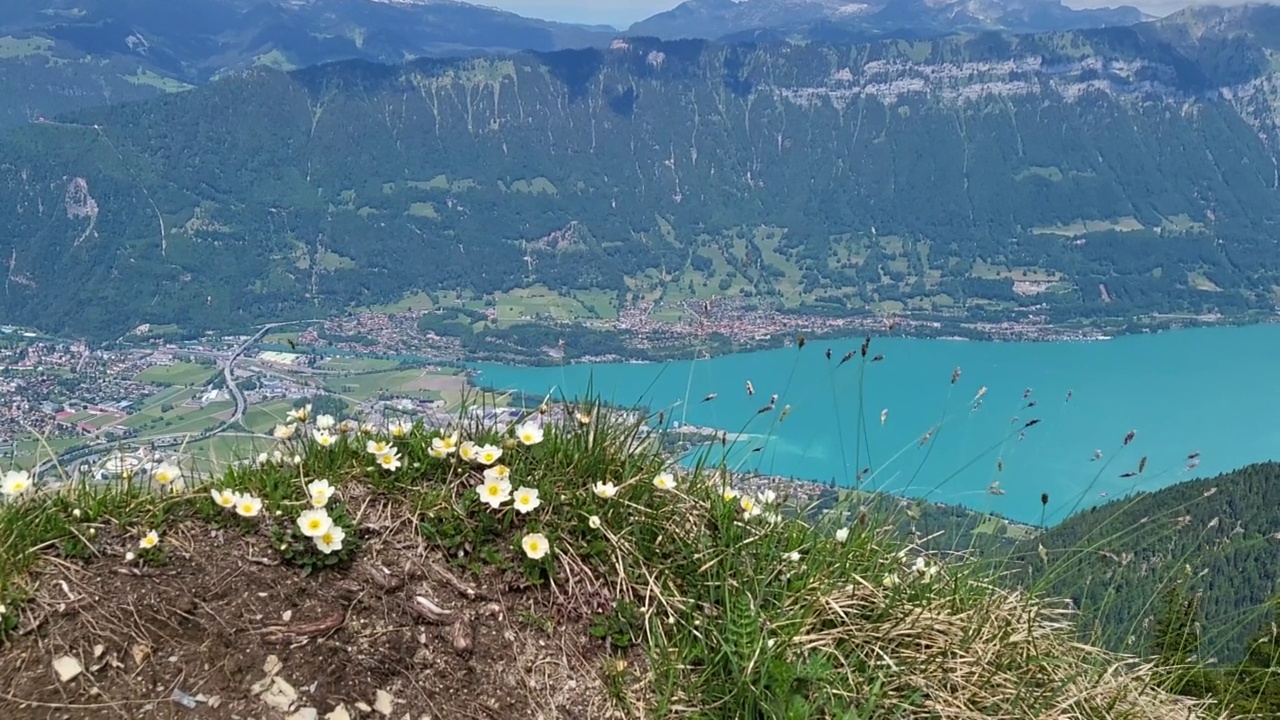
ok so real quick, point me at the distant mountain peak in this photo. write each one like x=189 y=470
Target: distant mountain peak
x=724 y=18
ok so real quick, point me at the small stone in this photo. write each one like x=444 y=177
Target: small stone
x=363 y=707
x=306 y=713
x=214 y=701
x=98 y=650
x=140 y=653
x=287 y=616
x=68 y=668
x=382 y=701
x=280 y=695
x=272 y=665
x=338 y=713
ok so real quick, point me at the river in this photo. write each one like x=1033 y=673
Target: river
x=1213 y=391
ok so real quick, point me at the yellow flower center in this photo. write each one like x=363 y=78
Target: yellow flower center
x=327 y=538
x=314 y=524
x=246 y=507
x=494 y=490
x=534 y=546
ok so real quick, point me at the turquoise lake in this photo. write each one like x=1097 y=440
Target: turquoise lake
x=1214 y=391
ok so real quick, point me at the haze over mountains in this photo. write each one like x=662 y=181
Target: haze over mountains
x=1082 y=174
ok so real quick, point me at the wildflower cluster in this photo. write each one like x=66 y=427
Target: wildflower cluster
x=495 y=488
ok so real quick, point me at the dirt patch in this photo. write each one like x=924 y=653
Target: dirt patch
x=438 y=383
x=221 y=626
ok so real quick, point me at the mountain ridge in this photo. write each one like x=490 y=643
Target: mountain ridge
x=647 y=172
x=740 y=18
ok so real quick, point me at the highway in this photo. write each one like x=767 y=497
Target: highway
x=79 y=454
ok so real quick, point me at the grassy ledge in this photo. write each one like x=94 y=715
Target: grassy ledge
x=438 y=583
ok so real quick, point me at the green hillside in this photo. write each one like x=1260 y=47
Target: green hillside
x=1217 y=537
x=1095 y=174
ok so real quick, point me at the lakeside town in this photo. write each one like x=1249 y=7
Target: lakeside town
x=118 y=409
x=647 y=326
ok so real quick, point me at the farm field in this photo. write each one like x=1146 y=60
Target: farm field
x=411 y=383
x=356 y=364
x=177 y=374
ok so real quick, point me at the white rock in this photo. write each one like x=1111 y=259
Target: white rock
x=306 y=713
x=280 y=695
x=272 y=665
x=68 y=668
x=338 y=713
x=382 y=702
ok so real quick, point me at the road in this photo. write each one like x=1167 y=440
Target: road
x=76 y=455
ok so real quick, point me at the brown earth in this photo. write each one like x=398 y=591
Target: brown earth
x=221 y=621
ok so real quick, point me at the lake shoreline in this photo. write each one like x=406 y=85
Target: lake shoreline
x=664 y=343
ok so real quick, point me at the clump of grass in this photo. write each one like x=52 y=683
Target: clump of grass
x=747 y=604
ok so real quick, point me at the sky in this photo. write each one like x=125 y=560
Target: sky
x=621 y=13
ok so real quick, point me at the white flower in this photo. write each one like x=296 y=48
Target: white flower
x=325 y=422
x=314 y=523
x=263 y=458
x=16 y=482
x=129 y=556
x=367 y=428
x=330 y=540
x=166 y=473
x=488 y=454
x=793 y=556
x=605 y=490
x=594 y=522
x=323 y=438
x=446 y=444
x=535 y=545
x=529 y=433
x=437 y=453
x=494 y=491
x=889 y=580
x=284 y=432
x=664 y=481
x=498 y=472
x=526 y=500
x=346 y=427
x=749 y=506
x=923 y=568
x=149 y=540
x=300 y=414
x=390 y=460
x=467 y=451
x=400 y=428
x=377 y=447
x=729 y=493
x=319 y=491
x=224 y=498
x=842 y=534
x=248 y=505
x=768 y=497
x=296 y=459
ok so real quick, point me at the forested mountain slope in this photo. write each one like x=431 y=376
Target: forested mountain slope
x=1218 y=537
x=1083 y=174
